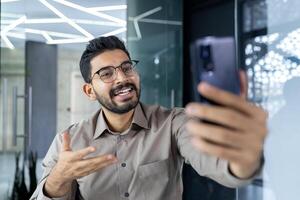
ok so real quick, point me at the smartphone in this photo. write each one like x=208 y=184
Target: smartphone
x=214 y=61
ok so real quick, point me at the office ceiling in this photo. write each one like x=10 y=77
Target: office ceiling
x=63 y=22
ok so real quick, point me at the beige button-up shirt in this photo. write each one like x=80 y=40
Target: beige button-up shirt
x=150 y=154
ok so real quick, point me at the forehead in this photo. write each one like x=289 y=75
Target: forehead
x=108 y=58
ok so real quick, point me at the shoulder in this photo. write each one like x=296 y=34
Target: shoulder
x=84 y=129
x=161 y=113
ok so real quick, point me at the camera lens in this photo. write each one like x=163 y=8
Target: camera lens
x=205 y=55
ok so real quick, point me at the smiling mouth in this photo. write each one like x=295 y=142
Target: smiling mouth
x=123 y=90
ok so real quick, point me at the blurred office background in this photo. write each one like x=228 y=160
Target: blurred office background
x=42 y=41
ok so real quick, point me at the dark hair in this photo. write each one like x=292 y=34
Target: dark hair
x=96 y=47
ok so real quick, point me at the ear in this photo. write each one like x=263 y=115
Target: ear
x=243 y=84
x=89 y=91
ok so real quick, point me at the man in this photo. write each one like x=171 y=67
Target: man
x=128 y=150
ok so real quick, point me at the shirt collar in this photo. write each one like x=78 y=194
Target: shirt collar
x=101 y=125
x=139 y=119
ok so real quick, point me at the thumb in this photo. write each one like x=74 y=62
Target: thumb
x=66 y=140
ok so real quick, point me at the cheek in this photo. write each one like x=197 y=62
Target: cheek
x=102 y=90
x=136 y=80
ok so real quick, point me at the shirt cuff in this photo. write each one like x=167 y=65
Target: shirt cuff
x=41 y=195
x=239 y=182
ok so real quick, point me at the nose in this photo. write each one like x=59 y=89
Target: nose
x=120 y=76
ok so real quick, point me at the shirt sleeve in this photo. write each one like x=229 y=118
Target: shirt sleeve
x=48 y=163
x=205 y=165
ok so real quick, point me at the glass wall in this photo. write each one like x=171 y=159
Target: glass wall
x=270 y=41
x=12 y=97
x=155 y=38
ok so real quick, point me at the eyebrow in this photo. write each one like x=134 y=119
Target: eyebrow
x=112 y=66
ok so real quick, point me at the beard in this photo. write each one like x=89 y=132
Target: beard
x=126 y=106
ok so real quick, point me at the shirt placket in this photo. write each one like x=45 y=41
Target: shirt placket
x=124 y=173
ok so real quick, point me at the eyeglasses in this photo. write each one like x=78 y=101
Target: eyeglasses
x=109 y=74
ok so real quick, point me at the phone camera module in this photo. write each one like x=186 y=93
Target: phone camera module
x=206 y=57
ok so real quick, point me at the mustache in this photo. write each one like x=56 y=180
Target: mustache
x=114 y=90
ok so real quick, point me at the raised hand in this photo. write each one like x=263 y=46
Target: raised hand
x=72 y=165
x=237 y=133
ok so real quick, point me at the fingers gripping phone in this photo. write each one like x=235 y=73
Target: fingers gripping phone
x=214 y=61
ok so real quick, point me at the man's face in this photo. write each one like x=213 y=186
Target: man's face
x=121 y=95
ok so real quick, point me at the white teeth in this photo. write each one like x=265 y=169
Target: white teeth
x=124 y=91
x=122 y=94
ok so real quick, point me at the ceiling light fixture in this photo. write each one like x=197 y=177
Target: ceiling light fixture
x=7 y=42
x=20 y=34
x=108 y=8
x=16 y=35
x=92 y=12
x=59 y=20
x=81 y=40
x=8 y=1
x=139 y=17
x=10 y=27
x=149 y=12
x=45 y=21
x=115 y=32
x=97 y=22
x=159 y=21
x=13 y=25
x=67 y=41
x=10 y=15
x=47 y=36
x=52 y=33
x=73 y=24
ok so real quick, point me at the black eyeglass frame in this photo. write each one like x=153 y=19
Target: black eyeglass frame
x=134 y=63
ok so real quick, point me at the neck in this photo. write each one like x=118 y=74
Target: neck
x=118 y=122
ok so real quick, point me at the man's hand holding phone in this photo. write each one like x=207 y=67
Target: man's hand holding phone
x=237 y=131
x=72 y=165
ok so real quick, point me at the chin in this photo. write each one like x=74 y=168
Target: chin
x=123 y=107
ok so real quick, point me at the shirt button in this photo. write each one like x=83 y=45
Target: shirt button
x=123 y=164
x=126 y=194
